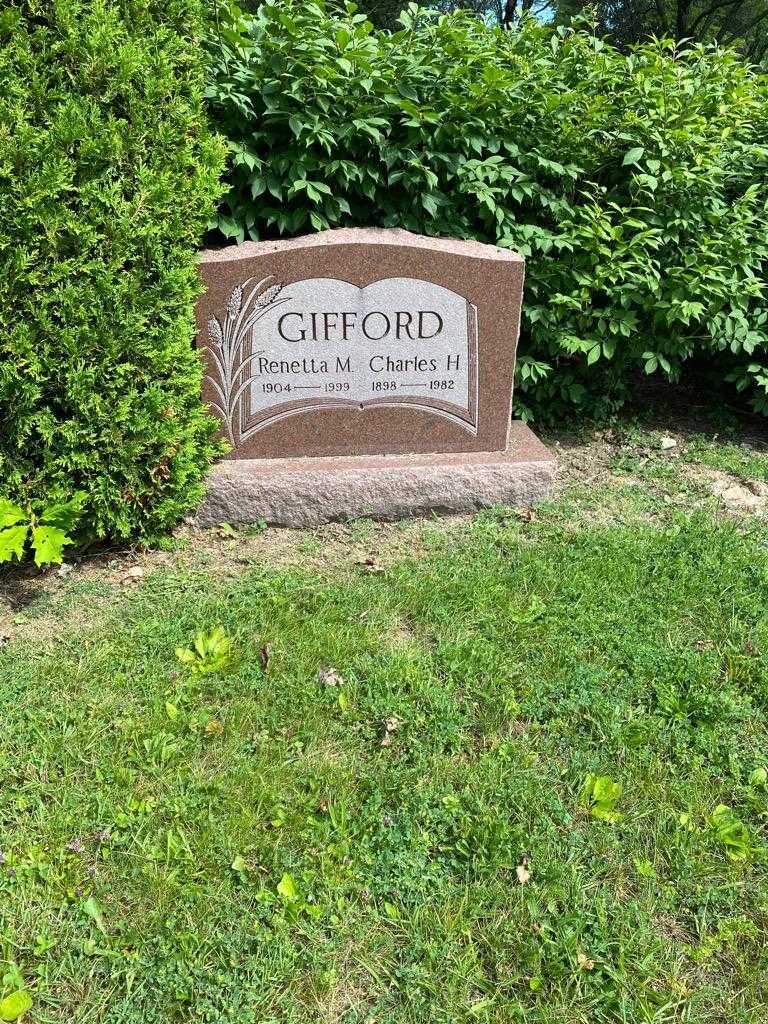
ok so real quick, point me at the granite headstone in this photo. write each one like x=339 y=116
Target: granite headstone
x=357 y=343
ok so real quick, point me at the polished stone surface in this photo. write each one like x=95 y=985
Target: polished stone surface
x=360 y=342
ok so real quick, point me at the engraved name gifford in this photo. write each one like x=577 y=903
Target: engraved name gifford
x=319 y=343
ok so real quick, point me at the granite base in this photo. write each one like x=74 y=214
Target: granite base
x=311 y=491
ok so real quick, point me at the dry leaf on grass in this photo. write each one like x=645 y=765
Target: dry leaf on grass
x=214 y=728
x=329 y=676
x=584 y=962
x=264 y=655
x=371 y=565
x=522 y=872
x=391 y=725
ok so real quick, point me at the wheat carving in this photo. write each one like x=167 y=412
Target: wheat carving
x=230 y=361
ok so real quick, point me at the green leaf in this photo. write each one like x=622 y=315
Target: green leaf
x=10 y=514
x=15 y=1004
x=731 y=832
x=632 y=156
x=93 y=910
x=286 y=888
x=601 y=794
x=12 y=542
x=532 y=611
x=48 y=544
x=649 y=180
x=239 y=864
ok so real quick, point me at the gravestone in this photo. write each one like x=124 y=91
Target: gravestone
x=364 y=371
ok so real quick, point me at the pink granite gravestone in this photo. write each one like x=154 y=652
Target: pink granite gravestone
x=364 y=371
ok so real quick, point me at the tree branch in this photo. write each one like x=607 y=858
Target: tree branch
x=745 y=29
x=706 y=15
x=661 y=14
x=510 y=9
x=681 y=19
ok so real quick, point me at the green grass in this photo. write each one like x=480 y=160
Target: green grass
x=741 y=462
x=256 y=845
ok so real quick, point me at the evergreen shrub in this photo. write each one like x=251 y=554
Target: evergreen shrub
x=109 y=174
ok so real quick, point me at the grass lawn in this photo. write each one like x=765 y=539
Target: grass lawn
x=480 y=779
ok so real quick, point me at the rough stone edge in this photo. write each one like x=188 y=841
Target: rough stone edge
x=335 y=489
x=468 y=248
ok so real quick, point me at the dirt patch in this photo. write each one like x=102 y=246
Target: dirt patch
x=736 y=496
x=583 y=458
x=601 y=458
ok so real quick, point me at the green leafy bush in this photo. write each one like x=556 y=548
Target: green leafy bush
x=108 y=174
x=632 y=183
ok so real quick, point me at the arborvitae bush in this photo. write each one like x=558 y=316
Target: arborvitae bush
x=108 y=176
x=634 y=184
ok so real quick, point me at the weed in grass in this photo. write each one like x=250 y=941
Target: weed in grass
x=210 y=652
x=601 y=795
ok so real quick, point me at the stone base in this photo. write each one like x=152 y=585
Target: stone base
x=311 y=491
